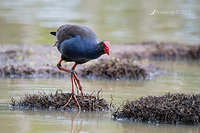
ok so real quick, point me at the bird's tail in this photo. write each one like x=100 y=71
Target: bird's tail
x=53 y=33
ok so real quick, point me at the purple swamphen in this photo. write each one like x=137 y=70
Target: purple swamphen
x=79 y=44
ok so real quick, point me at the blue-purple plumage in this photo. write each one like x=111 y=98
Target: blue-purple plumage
x=78 y=43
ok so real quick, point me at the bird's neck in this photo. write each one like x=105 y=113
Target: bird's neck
x=94 y=51
x=100 y=48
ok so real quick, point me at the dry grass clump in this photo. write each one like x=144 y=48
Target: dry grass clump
x=115 y=69
x=170 y=108
x=57 y=100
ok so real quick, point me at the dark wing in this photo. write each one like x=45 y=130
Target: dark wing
x=69 y=31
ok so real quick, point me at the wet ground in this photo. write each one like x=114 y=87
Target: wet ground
x=40 y=61
x=157 y=50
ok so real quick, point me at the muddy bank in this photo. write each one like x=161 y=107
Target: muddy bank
x=157 y=50
x=29 y=61
x=18 y=71
x=41 y=60
x=102 y=69
x=56 y=101
x=168 y=109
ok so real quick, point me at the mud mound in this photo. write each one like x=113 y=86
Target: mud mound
x=169 y=108
x=28 y=61
x=118 y=69
x=27 y=71
x=157 y=50
x=56 y=101
x=16 y=70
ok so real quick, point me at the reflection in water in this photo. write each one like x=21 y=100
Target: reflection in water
x=78 y=123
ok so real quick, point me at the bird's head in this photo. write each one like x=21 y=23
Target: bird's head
x=104 y=47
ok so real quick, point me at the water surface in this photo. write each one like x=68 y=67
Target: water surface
x=183 y=77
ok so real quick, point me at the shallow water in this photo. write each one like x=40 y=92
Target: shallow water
x=180 y=77
x=45 y=121
x=30 y=21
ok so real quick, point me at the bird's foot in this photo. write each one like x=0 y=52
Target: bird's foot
x=73 y=96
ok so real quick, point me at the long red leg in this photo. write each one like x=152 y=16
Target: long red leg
x=69 y=71
x=68 y=101
x=77 y=79
x=79 y=107
x=73 y=95
x=74 y=80
x=76 y=84
x=79 y=83
x=73 y=68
